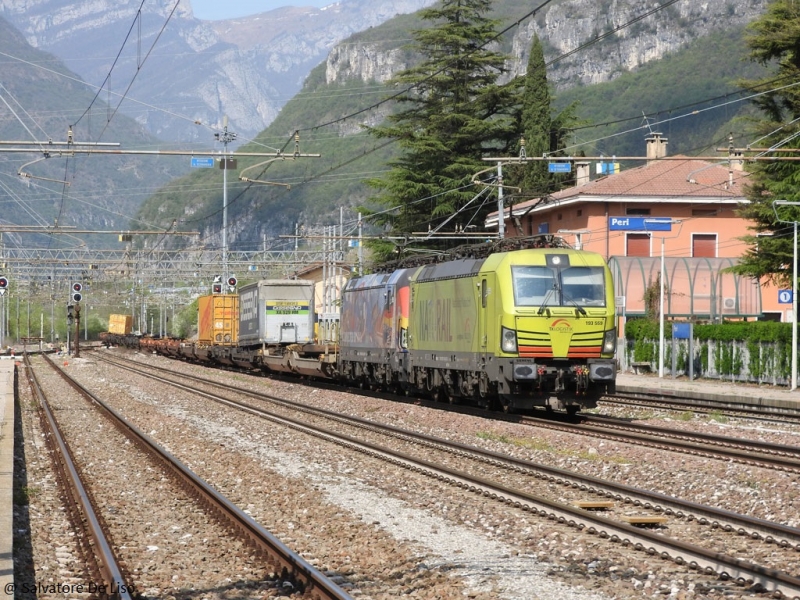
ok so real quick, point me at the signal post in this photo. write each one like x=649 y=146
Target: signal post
x=77 y=296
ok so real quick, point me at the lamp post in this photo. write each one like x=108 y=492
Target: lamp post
x=225 y=137
x=661 y=224
x=775 y=206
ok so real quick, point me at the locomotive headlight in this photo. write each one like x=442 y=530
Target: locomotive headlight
x=610 y=341
x=508 y=340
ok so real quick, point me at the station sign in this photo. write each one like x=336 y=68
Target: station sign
x=785 y=296
x=202 y=163
x=559 y=167
x=640 y=223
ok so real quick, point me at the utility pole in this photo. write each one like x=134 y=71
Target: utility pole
x=225 y=137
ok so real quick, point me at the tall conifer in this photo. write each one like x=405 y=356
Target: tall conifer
x=454 y=113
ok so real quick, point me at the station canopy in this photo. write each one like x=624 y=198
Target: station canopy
x=694 y=288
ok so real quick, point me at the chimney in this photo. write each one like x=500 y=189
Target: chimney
x=582 y=173
x=656 y=146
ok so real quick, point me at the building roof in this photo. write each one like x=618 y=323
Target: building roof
x=675 y=179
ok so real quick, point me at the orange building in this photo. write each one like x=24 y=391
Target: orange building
x=679 y=208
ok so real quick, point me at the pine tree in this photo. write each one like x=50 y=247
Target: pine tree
x=773 y=41
x=454 y=113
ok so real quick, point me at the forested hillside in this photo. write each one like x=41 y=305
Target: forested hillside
x=692 y=100
x=41 y=99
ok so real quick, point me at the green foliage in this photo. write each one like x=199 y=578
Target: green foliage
x=185 y=325
x=652 y=87
x=104 y=190
x=772 y=40
x=768 y=346
x=320 y=186
x=453 y=113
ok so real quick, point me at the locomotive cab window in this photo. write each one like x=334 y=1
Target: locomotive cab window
x=584 y=286
x=535 y=286
x=542 y=286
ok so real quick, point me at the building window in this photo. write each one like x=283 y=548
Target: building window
x=637 y=211
x=704 y=212
x=578 y=212
x=637 y=244
x=704 y=245
x=560 y=216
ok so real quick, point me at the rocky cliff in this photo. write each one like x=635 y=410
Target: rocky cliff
x=585 y=41
x=199 y=70
x=249 y=68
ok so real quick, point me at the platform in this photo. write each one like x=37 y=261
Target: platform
x=6 y=470
x=775 y=397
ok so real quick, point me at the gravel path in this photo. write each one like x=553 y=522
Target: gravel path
x=387 y=532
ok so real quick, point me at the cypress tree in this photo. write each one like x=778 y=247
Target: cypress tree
x=536 y=122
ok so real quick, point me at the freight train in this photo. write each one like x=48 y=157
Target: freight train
x=512 y=330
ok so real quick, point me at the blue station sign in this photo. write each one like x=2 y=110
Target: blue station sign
x=640 y=223
x=559 y=167
x=202 y=163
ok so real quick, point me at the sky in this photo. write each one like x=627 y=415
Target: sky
x=212 y=10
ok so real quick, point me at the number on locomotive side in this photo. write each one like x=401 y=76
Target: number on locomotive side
x=600 y=322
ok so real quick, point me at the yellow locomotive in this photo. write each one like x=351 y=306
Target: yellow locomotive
x=511 y=331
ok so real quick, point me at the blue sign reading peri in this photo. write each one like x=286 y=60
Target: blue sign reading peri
x=640 y=223
x=202 y=163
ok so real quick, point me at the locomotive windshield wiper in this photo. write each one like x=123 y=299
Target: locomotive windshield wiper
x=578 y=308
x=546 y=298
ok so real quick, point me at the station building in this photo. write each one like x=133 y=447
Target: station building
x=679 y=211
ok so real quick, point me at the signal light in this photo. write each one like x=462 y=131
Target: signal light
x=232 y=281
x=3 y=283
x=76 y=291
x=216 y=288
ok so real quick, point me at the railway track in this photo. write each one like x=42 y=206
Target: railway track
x=659 y=400
x=100 y=560
x=290 y=568
x=745 y=451
x=467 y=467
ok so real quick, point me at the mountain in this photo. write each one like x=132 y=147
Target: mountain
x=618 y=59
x=50 y=183
x=198 y=71
x=598 y=52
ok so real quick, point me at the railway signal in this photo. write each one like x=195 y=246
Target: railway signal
x=76 y=292
x=231 y=284
x=3 y=284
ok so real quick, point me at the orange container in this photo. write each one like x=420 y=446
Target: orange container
x=120 y=324
x=218 y=320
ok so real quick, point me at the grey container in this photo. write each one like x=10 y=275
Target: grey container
x=276 y=311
